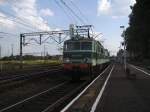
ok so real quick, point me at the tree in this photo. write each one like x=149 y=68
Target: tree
x=137 y=35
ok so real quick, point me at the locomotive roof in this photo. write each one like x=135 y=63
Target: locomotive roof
x=83 y=39
x=80 y=39
x=86 y=40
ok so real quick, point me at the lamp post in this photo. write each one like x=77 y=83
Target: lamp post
x=0 y=52
x=123 y=35
x=1 y=49
x=1 y=65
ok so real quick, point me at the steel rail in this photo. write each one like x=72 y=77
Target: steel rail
x=17 y=77
x=101 y=92
x=64 y=98
x=32 y=97
x=80 y=94
x=138 y=68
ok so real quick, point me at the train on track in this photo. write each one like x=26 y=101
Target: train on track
x=83 y=56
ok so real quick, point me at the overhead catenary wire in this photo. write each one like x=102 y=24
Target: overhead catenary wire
x=70 y=17
x=72 y=11
x=8 y=33
x=36 y=16
x=82 y=18
x=26 y=26
x=82 y=14
x=21 y=21
x=17 y=18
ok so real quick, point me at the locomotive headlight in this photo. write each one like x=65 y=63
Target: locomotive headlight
x=67 y=60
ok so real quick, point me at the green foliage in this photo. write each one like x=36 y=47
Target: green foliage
x=120 y=53
x=31 y=57
x=137 y=35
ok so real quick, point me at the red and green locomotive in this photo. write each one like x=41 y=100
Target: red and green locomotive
x=83 y=56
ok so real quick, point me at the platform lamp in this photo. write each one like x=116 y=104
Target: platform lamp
x=124 y=44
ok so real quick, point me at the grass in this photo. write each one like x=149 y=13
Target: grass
x=15 y=65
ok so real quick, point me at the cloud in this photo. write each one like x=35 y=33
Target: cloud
x=24 y=12
x=103 y=6
x=5 y=22
x=46 y=12
x=114 y=8
x=28 y=12
x=27 y=9
x=2 y=1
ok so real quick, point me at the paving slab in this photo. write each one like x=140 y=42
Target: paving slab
x=124 y=95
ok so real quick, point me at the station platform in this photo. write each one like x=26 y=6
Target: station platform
x=126 y=95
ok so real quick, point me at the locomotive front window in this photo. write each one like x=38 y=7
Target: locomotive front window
x=86 y=46
x=72 y=46
x=69 y=46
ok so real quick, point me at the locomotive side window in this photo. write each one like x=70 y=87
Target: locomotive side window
x=86 y=46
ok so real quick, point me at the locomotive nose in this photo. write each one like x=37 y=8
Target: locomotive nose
x=79 y=67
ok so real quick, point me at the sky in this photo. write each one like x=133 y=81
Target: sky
x=21 y=16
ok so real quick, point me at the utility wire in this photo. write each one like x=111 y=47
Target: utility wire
x=72 y=11
x=82 y=14
x=21 y=26
x=8 y=33
x=79 y=10
x=65 y=12
x=10 y=2
x=17 y=22
x=17 y=18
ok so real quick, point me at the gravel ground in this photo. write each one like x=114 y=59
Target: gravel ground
x=12 y=72
x=86 y=100
x=26 y=89
x=124 y=95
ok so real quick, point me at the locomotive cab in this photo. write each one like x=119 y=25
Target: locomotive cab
x=77 y=55
x=82 y=54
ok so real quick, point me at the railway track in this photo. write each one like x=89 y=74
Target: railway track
x=88 y=99
x=51 y=99
x=55 y=98
x=143 y=70
x=6 y=74
x=48 y=100
x=10 y=78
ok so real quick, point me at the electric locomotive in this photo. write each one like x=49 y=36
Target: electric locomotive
x=83 y=55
